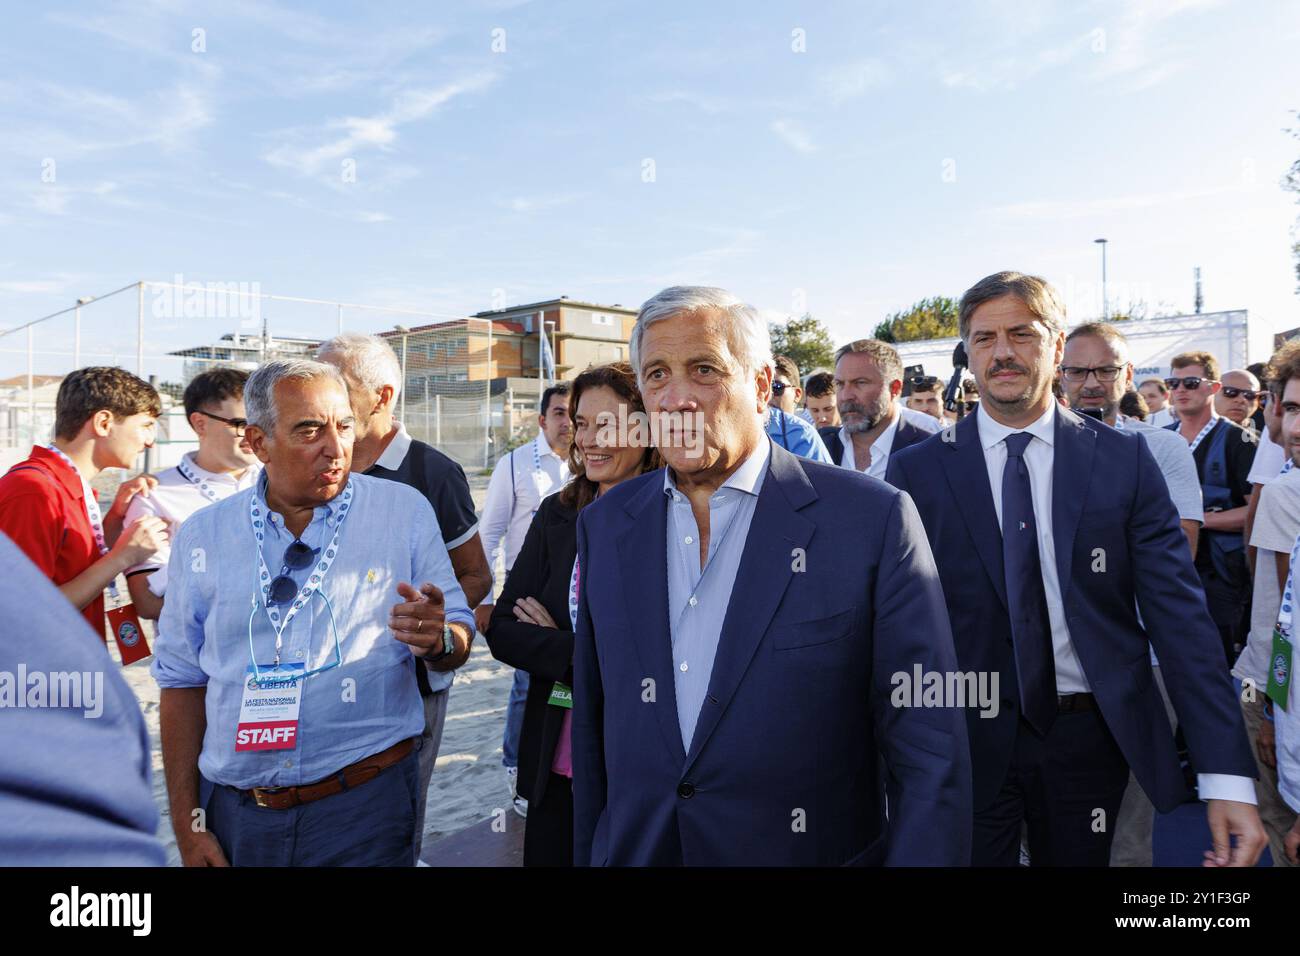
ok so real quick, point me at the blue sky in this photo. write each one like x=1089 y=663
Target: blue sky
x=846 y=158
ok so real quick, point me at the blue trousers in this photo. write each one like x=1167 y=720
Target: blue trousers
x=370 y=825
x=514 y=720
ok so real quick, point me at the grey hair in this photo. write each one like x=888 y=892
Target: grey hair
x=367 y=358
x=747 y=334
x=259 y=392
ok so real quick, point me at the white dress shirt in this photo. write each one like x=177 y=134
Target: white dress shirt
x=1070 y=679
x=880 y=449
x=537 y=472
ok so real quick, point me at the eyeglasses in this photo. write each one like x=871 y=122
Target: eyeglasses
x=1230 y=391
x=1104 y=373
x=1191 y=383
x=296 y=557
x=778 y=388
x=238 y=424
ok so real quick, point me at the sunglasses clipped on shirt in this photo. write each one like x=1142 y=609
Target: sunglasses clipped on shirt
x=296 y=557
x=1191 y=383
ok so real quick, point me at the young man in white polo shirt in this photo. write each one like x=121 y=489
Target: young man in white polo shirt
x=223 y=465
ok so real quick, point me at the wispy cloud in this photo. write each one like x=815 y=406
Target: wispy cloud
x=531 y=204
x=374 y=217
x=1056 y=209
x=851 y=80
x=793 y=136
x=349 y=136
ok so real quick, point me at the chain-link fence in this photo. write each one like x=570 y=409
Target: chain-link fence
x=457 y=394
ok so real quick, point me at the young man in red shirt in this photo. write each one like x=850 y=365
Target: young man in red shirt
x=104 y=418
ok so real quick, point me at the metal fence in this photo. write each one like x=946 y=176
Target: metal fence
x=168 y=332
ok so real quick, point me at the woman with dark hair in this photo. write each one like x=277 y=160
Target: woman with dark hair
x=532 y=626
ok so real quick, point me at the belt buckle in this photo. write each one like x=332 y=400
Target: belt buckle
x=261 y=793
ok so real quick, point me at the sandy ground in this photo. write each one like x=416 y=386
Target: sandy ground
x=468 y=782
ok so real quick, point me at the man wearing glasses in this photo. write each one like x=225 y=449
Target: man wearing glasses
x=788 y=429
x=287 y=642
x=1224 y=453
x=222 y=466
x=1239 y=398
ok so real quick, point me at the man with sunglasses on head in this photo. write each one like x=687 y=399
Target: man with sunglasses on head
x=1239 y=398
x=1224 y=453
x=287 y=642
x=222 y=466
x=787 y=428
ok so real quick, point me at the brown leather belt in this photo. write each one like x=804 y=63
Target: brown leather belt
x=285 y=798
x=1074 y=703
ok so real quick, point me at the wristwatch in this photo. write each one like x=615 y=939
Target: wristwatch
x=448 y=644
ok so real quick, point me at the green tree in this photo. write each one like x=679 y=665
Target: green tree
x=805 y=340
x=934 y=318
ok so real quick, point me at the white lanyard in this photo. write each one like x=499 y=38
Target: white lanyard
x=573 y=596
x=313 y=582
x=205 y=489
x=92 y=506
x=1285 y=609
x=1214 y=420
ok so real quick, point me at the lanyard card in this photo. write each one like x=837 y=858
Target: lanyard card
x=268 y=715
x=1279 y=669
x=129 y=635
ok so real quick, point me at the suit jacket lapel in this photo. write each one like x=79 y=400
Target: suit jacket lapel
x=968 y=480
x=1075 y=445
x=643 y=550
x=766 y=568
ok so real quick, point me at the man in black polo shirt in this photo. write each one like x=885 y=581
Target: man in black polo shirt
x=382 y=448
x=1224 y=453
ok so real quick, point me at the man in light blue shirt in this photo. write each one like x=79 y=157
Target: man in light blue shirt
x=796 y=436
x=318 y=766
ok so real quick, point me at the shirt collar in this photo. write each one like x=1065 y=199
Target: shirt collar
x=395 y=453
x=544 y=448
x=331 y=507
x=747 y=478
x=69 y=477
x=992 y=432
x=191 y=462
x=885 y=440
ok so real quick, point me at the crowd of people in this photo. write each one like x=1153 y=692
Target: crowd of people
x=857 y=617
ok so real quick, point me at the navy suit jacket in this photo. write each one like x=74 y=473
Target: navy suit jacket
x=797 y=744
x=1119 y=549
x=905 y=436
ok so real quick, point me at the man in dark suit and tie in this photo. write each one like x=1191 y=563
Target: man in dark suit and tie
x=729 y=707
x=874 y=425
x=1063 y=562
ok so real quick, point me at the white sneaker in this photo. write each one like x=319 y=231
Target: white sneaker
x=521 y=807
x=512 y=781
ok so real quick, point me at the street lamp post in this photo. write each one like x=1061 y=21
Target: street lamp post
x=76 y=333
x=405 y=332
x=1105 y=299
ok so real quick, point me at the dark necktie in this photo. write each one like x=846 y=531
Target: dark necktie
x=1031 y=628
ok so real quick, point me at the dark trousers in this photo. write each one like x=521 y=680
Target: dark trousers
x=372 y=824
x=1229 y=606
x=1066 y=788
x=548 y=834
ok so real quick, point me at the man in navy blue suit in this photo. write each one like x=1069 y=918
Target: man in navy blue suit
x=731 y=708
x=1063 y=562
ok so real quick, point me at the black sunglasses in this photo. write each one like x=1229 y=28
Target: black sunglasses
x=238 y=424
x=1231 y=391
x=1191 y=382
x=778 y=388
x=296 y=557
